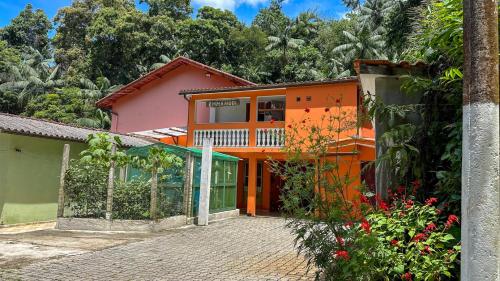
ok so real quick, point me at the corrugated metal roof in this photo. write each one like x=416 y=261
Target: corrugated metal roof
x=163 y=132
x=21 y=125
x=266 y=86
x=108 y=100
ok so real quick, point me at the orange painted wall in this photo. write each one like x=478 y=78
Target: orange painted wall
x=316 y=98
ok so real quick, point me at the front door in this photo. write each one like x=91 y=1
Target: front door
x=260 y=167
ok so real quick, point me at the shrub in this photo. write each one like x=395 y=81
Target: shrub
x=131 y=199
x=85 y=189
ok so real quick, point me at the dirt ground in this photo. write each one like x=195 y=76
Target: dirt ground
x=23 y=245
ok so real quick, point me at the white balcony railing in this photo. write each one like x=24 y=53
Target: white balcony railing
x=223 y=137
x=270 y=137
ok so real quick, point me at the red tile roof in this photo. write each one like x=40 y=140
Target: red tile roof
x=128 y=89
x=266 y=86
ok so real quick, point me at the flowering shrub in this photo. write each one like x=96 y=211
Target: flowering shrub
x=347 y=238
x=412 y=242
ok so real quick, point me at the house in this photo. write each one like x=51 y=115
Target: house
x=30 y=163
x=249 y=121
x=152 y=103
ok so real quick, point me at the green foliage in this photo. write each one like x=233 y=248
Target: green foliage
x=29 y=28
x=85 y=189
x=131 y=199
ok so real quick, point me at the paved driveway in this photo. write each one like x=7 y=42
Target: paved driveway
x=235 y=249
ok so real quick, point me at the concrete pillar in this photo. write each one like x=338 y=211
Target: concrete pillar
x=206 y=175
x=252 y=186
x=64 y=168
x=480 y=160
x=111 y=183
x=188 y=184
x=266 y=187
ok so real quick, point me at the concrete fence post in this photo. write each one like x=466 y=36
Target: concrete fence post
x=480 y=256
x=154 y=193
x=64 y=168
x=111 y=183
x=206 y=174
x=188 y=185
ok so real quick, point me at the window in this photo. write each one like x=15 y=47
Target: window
x=223 y=110
x=271 y=108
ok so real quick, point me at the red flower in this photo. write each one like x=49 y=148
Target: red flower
x=407 y=276
x=416 y=183
x=341 y=254
x=431 y=201
x=427 y=249
x=365 y=225
x=349 y=224
x=303 y=121
x=381 y=203
x=289 y=126
x=307 y=110
x=327 y=109
x=337 y=101
x=363 y=199
x=430 y=227
x=419 y=237
x=451 y=219
x=263 y=150
x=409 y=204
x=340 y=240
x=401 y=189
x=394 y=242
x=272 y=121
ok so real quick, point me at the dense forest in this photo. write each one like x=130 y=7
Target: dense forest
x=56 y=69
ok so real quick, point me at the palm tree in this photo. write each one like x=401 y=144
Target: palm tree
x=95 y=91
x=373 y=12
x=362 y=43
x=283 y=41
x=33 y=76
x=100 y=119
x=306 y=24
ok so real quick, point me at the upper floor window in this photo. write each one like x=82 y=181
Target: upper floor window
x=271 y=108
x=223 y=110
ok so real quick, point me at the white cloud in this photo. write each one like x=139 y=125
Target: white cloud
x=228 y=4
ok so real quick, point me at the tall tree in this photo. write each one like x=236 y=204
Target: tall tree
x=177 y=9
x=271 y=18
x=30 y=28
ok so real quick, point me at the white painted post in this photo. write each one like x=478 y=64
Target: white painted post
x=206 y=173
x=480 y=257
x=64 y=168
x=111 y=184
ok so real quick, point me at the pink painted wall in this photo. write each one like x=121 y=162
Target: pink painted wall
x=158 y=104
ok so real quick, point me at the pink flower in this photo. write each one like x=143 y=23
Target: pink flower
x=342 y=254
x=431 y=201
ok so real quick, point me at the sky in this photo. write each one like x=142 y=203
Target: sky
x=244 y=9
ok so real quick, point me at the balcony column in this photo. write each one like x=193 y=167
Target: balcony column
x=252 y=186
x=252 y=123
x=266 y=187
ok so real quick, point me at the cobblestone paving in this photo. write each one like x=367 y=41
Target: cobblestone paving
x=235 y=249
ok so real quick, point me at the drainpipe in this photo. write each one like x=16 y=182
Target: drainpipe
x=480 y=159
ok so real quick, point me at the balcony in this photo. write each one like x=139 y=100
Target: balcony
x=241 y=138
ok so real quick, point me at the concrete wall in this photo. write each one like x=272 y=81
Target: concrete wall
x=158 y=104
x=29 y=177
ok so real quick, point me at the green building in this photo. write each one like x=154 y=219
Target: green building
x=30 y=165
